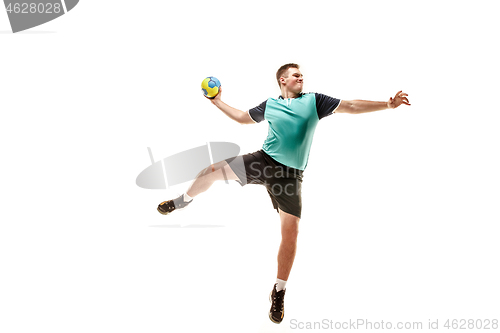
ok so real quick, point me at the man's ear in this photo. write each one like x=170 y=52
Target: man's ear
x=282 y=80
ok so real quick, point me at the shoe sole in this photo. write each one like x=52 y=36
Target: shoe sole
x=162 y=212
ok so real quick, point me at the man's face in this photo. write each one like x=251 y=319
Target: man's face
x=294 y=80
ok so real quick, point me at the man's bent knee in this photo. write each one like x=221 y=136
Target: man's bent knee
x=218 y=171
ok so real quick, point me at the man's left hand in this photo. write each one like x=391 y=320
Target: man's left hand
x=399 y=99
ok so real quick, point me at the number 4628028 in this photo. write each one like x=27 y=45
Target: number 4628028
x=34 y=8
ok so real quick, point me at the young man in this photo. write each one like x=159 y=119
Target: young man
x=279 y=165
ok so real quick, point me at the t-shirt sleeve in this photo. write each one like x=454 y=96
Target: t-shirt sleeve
x=326 y=105
x=257 y=113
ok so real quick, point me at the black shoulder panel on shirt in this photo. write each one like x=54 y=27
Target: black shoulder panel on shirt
x=257 y=113
x=325 y=105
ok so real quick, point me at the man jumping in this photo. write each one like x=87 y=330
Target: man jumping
x=279 y=165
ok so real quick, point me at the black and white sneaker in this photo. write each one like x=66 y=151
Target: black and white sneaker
x=277 y=311
x=167 y=207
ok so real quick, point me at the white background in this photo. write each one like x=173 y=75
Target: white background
x=400 y=207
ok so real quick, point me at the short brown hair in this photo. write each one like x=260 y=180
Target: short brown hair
x=283 y=69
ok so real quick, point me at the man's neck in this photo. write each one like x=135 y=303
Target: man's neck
x=289 y=94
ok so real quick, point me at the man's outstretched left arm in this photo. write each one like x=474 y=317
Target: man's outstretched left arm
x=359 y=106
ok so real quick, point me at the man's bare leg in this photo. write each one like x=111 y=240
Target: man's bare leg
x=288 y=246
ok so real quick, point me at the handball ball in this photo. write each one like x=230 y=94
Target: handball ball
x=210 y=86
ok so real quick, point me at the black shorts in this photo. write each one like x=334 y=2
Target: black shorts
x=283 y=183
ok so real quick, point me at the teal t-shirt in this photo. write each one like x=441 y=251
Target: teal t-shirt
x=292 y=123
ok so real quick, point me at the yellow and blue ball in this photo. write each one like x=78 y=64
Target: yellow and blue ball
x=210 y=86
